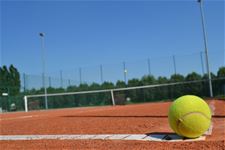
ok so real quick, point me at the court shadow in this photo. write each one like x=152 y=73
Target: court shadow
x=218 y=116
x=107 y=116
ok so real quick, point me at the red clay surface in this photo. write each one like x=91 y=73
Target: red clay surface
x=129 y=119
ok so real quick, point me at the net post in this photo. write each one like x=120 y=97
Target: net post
x=113 y=100
x=25 y=104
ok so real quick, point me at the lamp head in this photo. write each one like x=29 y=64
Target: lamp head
x=41 y=34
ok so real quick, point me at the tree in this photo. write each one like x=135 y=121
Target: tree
x=162 y=80
x=194 y=88
x=14 y=80
x=176 y=90
x=107 y=85
x=221 y=72
x=94 y=86
x=73 y=88
x=106 y=97
x=162 y=91
x=176 y=78
x=134 y=82
x=149 y=94
x=220 y=82
x=95 y=99
x=83 y=87
x=9 y=80
x=9 y=83
x=135 y=95
x=206 y=84
x=149 y=79
x=120 y=84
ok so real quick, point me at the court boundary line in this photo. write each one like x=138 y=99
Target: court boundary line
x=125 y=137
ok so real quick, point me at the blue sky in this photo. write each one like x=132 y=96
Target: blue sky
x=89 y=33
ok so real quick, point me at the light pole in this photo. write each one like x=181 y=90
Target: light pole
x=149 y=67
x=174 y=65
x=101 y=74
x=202 y=64
x=206 y=48
x=61 y=79
x=125 y=72
x=43 y=68
x=80 y=75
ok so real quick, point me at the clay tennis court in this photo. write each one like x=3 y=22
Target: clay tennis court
x=148 y=118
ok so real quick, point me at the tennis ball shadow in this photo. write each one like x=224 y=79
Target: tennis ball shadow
x=165 y=136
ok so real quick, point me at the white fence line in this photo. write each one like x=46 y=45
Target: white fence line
x=115 y=89
x=111 y=91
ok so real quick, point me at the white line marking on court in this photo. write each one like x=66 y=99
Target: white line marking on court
x=21 y=117
x=139 y=137
x=209 y=131
x=136 y=136
x=81 y=110
x=101 y=137
x=117 y=136
x=213 y=108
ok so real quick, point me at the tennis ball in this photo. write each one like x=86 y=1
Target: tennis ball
x=189 y=116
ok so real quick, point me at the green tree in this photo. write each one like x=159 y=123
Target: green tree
x=134 y=82
x=4 y=73
x=194 y=88
x=162 y=80
x=83 y=87
x=176 y=78
x=95 y=98
x=136 y=95
x=73 y=88
x=149 y=94
x=120 y=84
x=149 y=79
x=107 y=85
x=9 y=83
x=14 y=80
x=220 y=82
x=94 y=86
x=162 y=91
x=206 y=84
x=9 y=80
x=221 y=72
x=106 y=97
x=176 y=90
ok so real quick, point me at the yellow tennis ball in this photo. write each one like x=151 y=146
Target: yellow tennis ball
x=189 y=116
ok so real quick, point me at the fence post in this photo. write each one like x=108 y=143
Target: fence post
x=113 y=100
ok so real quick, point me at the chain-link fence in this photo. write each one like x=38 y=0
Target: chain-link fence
x=124 y=71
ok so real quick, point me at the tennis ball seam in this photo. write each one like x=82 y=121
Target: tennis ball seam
x=187 y=114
